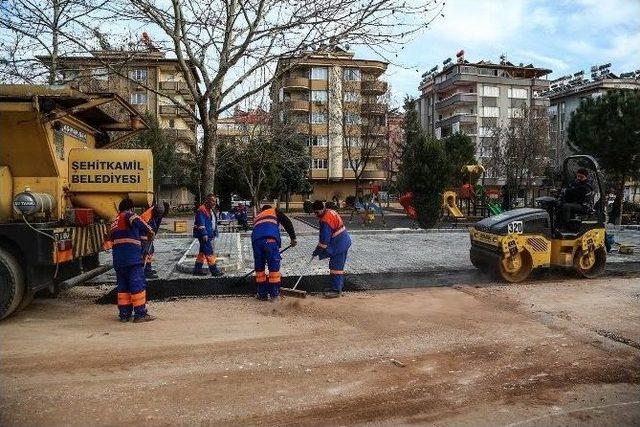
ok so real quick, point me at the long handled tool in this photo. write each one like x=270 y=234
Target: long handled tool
x=240 y=281
x=293 y=292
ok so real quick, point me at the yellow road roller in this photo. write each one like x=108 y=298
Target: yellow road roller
x=514 y=243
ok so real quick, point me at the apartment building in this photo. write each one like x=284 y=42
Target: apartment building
x=337 y=104
x=139 y=76
x=243 y=125
x=473 y=98
x=565 y=94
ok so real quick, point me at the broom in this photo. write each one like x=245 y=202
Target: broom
x=293 y=292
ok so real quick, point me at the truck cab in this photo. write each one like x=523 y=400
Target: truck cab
x=60 y=183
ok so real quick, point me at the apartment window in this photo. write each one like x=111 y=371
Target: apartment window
x=491 y=111
x=517 y=93
x=318 y=163
x=485 y=131
x=350 y=164
x=515 y=113
x=351 y=74
x=318 y=117
x=490 y=91
x=69 y=75
x=351 y=97
x=100 y=74
x=138 y=98
x=352 y=118
x=319 y=96
x=139 y=75
x=352 y=141
x=319 y=73
x=318 y=141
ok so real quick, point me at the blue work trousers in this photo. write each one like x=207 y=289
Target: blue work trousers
x=267 y=252
x=336 y=270
x=131 y=287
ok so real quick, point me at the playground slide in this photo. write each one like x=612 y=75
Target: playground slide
x=455 y=211
x=494 y=208
x=450 y=204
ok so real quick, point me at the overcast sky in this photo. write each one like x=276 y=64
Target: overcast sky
x=563 y=35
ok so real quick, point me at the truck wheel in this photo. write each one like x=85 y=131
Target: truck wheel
x=11 y=283
x=516 y=268
x=590 y=264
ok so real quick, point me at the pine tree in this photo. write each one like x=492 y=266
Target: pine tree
x=424 y=169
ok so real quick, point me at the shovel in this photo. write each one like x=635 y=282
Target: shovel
x=293 y=292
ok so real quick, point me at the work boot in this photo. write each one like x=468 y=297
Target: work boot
x=215 y=271
x=125 y=319
x=146 y=318
x=262 y=298
x=332 y=294
x=198 y=272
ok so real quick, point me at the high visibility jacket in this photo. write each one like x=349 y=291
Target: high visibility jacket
x=334 y=238
x=205 y=223
x=266 y=225
x=125 y=234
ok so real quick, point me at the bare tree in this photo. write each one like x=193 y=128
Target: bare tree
x=258 y=158
x=233 y=45
x=519 y=150
x=395 y=144
x=42 y=27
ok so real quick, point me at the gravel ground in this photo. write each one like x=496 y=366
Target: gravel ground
x=548 y=353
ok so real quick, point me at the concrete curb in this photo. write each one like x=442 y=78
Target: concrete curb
x=385 y=231
x=231 y=286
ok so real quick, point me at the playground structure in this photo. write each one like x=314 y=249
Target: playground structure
x=472 y=201
x=475 y=199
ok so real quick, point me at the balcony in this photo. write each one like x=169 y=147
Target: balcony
x=457 y=118
x=296 y=105
x=303 y=128
x=377 y=87
x=374 y=108
x=296 y=83
x=540 y=102
x=457 y=98
x=185 y=134
x=319 y=174
x=168 y=110
x=373 y=174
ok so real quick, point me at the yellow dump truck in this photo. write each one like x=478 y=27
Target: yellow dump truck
x=58 y=190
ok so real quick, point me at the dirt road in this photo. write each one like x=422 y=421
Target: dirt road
x=546 y=353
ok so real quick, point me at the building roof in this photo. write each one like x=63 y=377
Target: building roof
x=121 y=58
x=528 y=71
x=332 y=55
x=588 y=86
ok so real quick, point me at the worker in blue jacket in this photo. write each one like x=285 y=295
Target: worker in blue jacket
x=334 y=243
x=265 y=241
x=125 y=234
x=205 y=229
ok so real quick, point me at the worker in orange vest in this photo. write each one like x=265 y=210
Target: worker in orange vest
x=265 y=241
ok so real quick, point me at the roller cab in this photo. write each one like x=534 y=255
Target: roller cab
x=515 y=242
